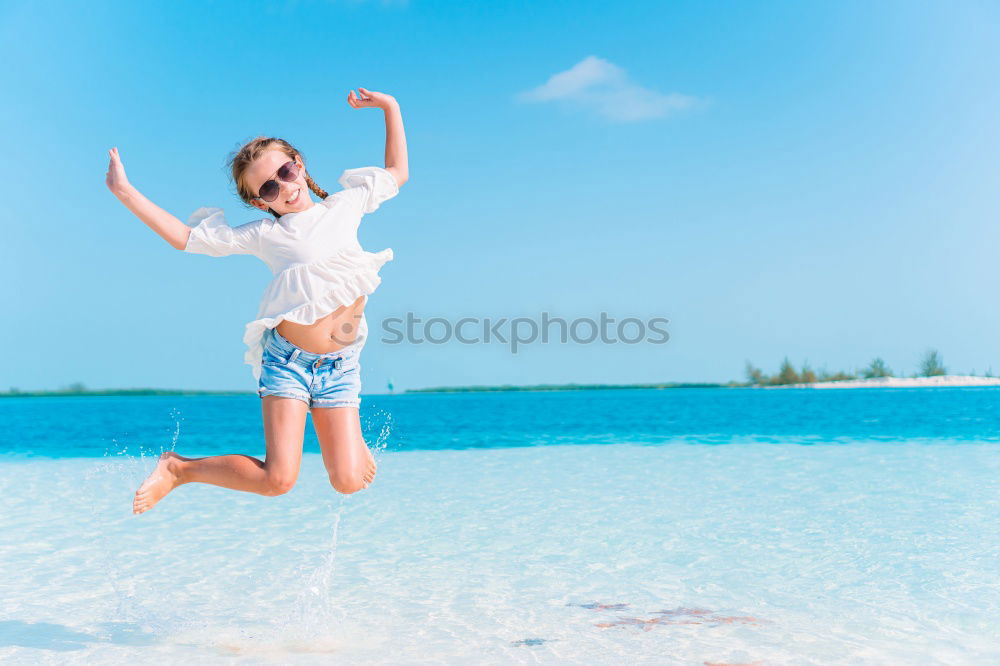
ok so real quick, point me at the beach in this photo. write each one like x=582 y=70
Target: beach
x=511 y=528
x=941 y=381
x=666 y=320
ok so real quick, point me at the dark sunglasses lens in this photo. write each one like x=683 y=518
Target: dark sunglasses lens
x=288 y=172
x=269 y=190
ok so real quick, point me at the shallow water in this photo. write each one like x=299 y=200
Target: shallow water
x=789 y=540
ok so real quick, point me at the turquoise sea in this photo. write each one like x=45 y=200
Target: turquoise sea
x=682 y=526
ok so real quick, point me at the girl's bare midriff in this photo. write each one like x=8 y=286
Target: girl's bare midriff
x=327 y=334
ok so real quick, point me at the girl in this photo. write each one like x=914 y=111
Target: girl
x=305 y=344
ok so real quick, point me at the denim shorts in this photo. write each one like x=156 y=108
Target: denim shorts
x=319 y=380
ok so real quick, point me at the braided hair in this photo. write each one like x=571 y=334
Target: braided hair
x=241 y=160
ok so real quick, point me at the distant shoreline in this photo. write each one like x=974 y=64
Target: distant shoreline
x=943 y=381
x=899 y=382
x=444 y=389
x=880 y=382
x=115 y=392
x=566 y=387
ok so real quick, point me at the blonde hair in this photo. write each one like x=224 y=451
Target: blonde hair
x=244 y=157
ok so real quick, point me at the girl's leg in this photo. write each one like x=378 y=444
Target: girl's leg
x=349 y=462
x=284 y=428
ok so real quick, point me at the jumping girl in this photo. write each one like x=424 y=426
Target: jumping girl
x=304 y=346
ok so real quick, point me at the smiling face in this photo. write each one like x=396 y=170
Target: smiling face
x=292 y=197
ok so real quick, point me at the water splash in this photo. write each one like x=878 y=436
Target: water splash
x=314 y=609
x=382 y=422
x=122 y=470
x=175 y=414
x=312 y=615
x=311 y=618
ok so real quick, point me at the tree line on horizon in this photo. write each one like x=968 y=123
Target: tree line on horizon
x=930 y=366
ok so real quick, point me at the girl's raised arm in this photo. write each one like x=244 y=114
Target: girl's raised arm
x=396 y=161
x=166 y=225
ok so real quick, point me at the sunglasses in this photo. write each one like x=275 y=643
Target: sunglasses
x=288 y=172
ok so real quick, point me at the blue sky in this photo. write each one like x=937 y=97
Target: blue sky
x=816 y=180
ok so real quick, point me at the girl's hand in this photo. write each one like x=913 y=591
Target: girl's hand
x=371 y=99
x=116 y=179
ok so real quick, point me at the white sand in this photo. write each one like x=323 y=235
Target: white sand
x=901 y=382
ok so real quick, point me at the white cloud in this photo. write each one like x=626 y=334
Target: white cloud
x=603 y=87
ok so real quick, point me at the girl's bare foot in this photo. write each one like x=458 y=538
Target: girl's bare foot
x=156 y=486
x=372 y=467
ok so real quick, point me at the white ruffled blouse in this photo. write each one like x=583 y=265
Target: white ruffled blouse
x=315 y=256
